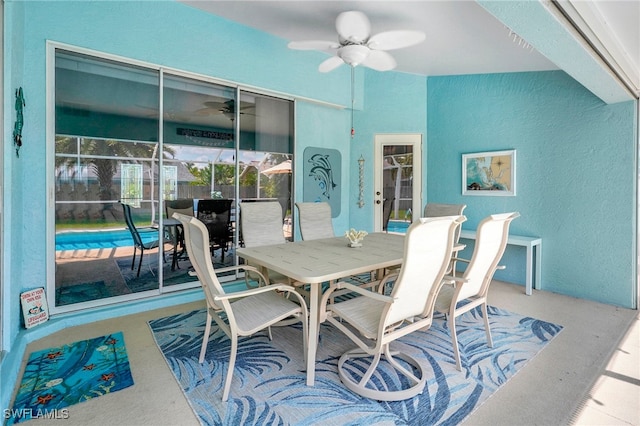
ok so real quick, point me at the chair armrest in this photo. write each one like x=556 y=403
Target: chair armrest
x=147 y=229
x=385 y=280
x=253 y=291
x=342 y=285
x=449 y=279
x=234 y=268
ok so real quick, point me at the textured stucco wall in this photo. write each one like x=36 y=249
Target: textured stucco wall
x=393 y=103
x=575 y=173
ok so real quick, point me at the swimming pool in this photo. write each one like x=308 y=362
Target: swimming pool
x=113 y=238
x=398 y=226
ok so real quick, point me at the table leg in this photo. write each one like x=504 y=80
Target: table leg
x=529 y=278
x=538 y=280
x=315 y=291
x=174 y=259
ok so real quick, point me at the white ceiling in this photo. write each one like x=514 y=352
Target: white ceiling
x=462 y=37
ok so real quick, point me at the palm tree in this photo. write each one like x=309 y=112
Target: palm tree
x=99 y=153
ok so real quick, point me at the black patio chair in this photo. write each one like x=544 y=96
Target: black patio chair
x=138 y=242
x=216 y=215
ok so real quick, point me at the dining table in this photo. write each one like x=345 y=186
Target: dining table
x=314 y=262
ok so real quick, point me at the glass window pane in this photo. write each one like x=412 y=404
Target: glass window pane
x=96 y=97
x=109 y=148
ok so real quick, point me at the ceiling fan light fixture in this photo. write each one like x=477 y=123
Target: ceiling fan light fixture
x=354 y=54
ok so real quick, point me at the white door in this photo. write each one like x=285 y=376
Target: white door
x=398 y=179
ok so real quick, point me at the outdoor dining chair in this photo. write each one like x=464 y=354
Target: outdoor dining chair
x=261 y=225
x=315 y=220
x=387 y=209
x=373 y=320
x=138 y=242
x=438 y=209
x=241 y=313
x=182 y=206
x=216 y=215
x=473 y=286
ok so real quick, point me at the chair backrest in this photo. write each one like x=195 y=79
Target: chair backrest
x=197 y=243
x=216 y=215
x=438 y=209
x=126 y=209
x=315 y=220
x=261 y=223
x=182 y=206
x=491 y=240
x=419 y=281
x=387 y=208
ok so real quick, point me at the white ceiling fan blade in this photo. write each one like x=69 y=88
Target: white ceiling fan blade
x=379 y=61
x=390 y=40
x=313 y=45
x=353 y=26
x=330 y=64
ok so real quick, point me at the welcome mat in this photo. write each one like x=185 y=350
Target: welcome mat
x=59 y=377
x=269 y=379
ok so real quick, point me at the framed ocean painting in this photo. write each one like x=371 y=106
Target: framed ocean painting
x=489 y=173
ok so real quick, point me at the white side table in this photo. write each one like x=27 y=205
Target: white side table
x=532 y=244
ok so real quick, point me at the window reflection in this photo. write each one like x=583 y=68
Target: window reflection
x=110 y=150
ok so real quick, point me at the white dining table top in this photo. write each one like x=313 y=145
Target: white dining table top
x=327 y=259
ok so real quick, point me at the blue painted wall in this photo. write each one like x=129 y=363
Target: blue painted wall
x=393 y=103
x=575 y=173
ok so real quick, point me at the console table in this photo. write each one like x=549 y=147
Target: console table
x=532 y=244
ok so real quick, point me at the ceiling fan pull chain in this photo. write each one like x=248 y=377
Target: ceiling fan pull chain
x=353 y=131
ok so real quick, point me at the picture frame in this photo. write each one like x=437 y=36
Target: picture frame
x=490 y=173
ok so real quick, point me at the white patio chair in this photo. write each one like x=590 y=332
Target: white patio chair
x=473 y=286
x=247 y=312
x=261 y=225
x=437 y=210
x=315 y=220
x=374 y=320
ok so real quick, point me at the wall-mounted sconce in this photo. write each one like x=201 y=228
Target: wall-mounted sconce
x=361 y=182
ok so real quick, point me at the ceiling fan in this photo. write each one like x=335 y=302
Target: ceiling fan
x=227 y=108
x=356 y=45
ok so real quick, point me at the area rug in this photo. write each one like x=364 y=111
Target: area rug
x=269 y=380
x=58 y=377
x=148 y=279
x=77 y=293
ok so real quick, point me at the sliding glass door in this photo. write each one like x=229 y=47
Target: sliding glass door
x=131 y=141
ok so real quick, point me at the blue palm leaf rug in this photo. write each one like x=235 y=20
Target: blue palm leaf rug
x=58 y=377
x=269 y=380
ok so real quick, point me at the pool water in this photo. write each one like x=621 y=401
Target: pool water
x=398 y=226
x=114 y=238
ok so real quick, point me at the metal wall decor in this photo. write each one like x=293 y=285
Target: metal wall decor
x=322 y=177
